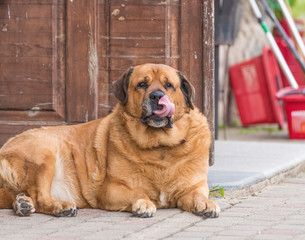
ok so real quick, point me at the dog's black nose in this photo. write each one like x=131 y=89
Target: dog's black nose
x=156 y=95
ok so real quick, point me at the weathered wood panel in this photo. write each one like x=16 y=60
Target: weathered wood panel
x=191 y=54
x=135 y=32
x=26 y=102
x=131 y=12
x=121 y=64
x=35 y=63
x=28 y=39
x=26 y=25
x=28 y=10
x=82 y=61
x=33 y=2
x=32 y=60
x=208 y=99
x=35 y=114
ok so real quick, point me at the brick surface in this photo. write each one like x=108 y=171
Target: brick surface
x=283 y=232
x=278 y=212
x=242 y=232
x=188 y=235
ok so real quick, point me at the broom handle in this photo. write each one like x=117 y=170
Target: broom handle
x=292 y=26
x=284 y=35
x=274 y=46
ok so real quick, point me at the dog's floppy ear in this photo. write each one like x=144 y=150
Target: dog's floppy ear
x=120 y=86
x=187 y=89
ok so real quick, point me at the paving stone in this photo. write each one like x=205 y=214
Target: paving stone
x=283 y=232
x=182 y=238
x=191 y=235
x=61 y=236
x=286 y=226
x=276 y=211
x=299 y=237
x=300 y=216
x=240 y=226
x=107 y=234
x=236 y=232
x=223 y=203
x=202 y=228
x=272 y=237
x=220 y=222
x=235 y=214
x=225 y=238
x=266 y=217
x=295 y=221
x=154 y=233
x=256 y=203
x=258 y=222
x=255 y=218
x=169 y=224
x=113 y=219
x=185 y=217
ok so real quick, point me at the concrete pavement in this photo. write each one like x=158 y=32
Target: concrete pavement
x=240 y=164
x=277 y=212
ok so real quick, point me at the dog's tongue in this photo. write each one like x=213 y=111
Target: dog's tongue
x=168 y=109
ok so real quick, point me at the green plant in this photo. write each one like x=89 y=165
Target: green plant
x=256 y=129
x=222 y=126
x=277 y=9
x=298 y=9
x=249 y=130
x=235 y=123
x=215 y=191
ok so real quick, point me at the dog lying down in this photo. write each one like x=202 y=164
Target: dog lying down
x=151 y=152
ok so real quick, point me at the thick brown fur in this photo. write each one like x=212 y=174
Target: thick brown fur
x=117 y=162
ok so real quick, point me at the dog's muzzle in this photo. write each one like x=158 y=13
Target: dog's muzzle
x=158 y=110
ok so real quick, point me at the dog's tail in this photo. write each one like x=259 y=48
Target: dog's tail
x=8 y=182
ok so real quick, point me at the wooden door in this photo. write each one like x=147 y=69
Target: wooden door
x=32 y=65
x=58 y=58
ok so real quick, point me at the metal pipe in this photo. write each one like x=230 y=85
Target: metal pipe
x=292 y=26
x=274 y=46
x=284 y=35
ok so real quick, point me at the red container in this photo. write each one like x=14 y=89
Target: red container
x=255 y=83
x=299 y=24
x=292 y=63
x=294 y=104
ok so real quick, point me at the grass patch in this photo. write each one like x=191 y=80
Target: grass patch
x=256 y=129
x=235 y=123
x=222 y=126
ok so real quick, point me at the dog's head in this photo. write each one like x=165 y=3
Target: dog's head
x=156 y=93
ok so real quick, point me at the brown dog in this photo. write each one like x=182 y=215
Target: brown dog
x=151 y=152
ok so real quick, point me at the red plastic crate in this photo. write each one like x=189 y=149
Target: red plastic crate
x=299 y=24
x=294 y=104
x=255 y=83
x=294 y=66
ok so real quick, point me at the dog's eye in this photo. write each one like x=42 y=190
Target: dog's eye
x=142 y=85
x=169 y=85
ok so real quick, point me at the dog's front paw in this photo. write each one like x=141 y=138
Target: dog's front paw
x=207 y=208
x=144 y=208
x=23 y=205
x=71 y=212
x=65 y=209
